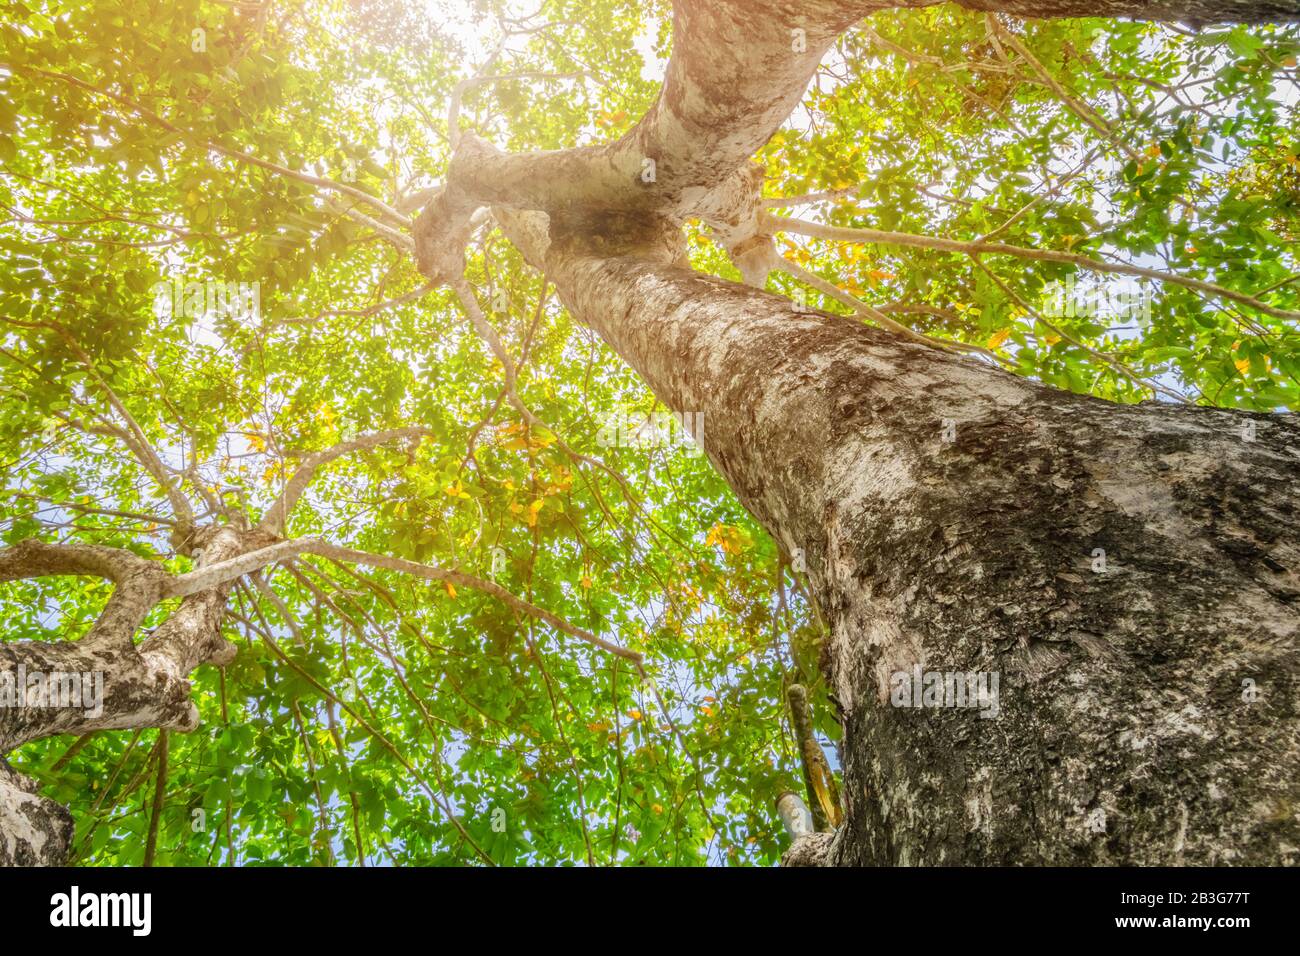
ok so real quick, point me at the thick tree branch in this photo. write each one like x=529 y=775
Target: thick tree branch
x=273 y=522
x=687 y=155
x=1196 y=12
x=139 y=583
x=121 y=685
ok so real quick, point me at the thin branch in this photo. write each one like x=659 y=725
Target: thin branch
x=236 y=567
x=780 y=202
x=1082 y=110
x=134 y=438
x=401 y=241
x=403 y=299
x=882 y=237
x=159 y=794
x=867 y=311
x=276 y=516
x=1110 y=360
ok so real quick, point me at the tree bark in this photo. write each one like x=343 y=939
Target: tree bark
x=34 y=830
x=1127 y=574
x=1194 y=12
x=1147 y=695
x=121 y=685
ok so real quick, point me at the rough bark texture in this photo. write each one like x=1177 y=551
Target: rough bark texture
x=34 y=831
x=1123 y=733
x=143 y=686
x=1128 y=572
x=1195 y=12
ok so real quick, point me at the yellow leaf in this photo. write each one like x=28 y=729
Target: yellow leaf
x=1243 y=365
x=586 y=582
x=451 y=591
x=535 y=507
x=997 y=338
x=634 y=714
x=731 y=539
x=541 y=437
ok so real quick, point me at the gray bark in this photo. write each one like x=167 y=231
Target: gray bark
x=1123 y=734
x=1146 y=702
x=143 y=685
x=34 y=831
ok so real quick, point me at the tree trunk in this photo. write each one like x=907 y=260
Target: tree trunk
x=34 y=830
x=1127 y=575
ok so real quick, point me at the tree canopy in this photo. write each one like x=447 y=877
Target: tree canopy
x=203 y=287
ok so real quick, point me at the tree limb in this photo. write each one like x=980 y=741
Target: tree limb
x=273 y=521
x=236 y=567
x=882 y=237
